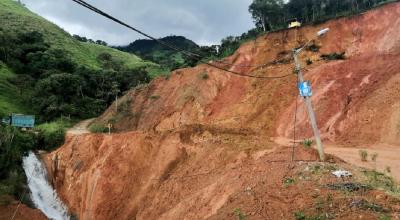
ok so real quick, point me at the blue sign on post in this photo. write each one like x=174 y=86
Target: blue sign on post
x=305 y=89
x=22 y=121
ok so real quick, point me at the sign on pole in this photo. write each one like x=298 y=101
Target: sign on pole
x=305 y=89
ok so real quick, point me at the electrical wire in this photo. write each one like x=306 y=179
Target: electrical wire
x=87 y=5
x=173 y=47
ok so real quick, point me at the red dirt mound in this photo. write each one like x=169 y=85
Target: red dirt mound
x=23 y=213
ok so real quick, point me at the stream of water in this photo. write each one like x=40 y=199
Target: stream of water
x=42 y=193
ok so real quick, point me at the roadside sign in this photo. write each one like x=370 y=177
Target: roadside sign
x=305 y=89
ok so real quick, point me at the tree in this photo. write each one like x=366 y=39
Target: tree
x=267 y=13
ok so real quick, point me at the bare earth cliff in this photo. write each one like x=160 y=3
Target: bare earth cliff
x=192 y=147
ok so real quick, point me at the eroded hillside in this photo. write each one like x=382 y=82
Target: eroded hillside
x=203 y=143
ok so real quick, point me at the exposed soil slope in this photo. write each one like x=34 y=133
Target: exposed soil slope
x=192 y=147
x=23 y=212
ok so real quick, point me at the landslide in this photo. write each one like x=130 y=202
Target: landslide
x=200 y=144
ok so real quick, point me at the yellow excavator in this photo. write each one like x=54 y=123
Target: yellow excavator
x=294 y=23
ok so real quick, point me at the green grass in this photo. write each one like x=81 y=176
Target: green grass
x=11 y=100
x=98 y=128
x=51 y=135
x=55 y=125
x=14 y=17
x=382 y=181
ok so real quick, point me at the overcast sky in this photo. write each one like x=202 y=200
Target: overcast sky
x=203 y=21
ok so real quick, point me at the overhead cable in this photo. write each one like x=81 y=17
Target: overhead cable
x=173 y=47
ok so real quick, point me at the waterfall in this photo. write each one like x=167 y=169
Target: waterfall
x=42 y=194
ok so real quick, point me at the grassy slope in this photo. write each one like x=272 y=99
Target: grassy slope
x=14 y=17
x=10 y=98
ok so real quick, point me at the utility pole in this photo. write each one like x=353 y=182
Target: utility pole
x=310 y=109
x=307 y=98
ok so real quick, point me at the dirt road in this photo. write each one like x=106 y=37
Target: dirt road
x=80 y=128
x=388 y=157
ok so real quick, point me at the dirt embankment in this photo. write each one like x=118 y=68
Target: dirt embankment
x=194 y=147
x=23 y=212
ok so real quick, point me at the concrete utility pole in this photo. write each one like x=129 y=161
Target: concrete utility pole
x=307 y=98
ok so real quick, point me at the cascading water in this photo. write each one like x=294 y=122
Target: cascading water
x=42 y=194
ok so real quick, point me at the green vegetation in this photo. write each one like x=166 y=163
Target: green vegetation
x=334 y=56
x=300 y=215
x=154 y=97
x=168 y=58
x=98 y=128
x=17 y=19
x=61 y=79
x=363 y=155
x=13 y=145
x=385 y=217
x=381 y=181
x=44 y=67
x=288 y=181
x=51 y=135
x=239 y=214
x=204 y=76
x=374 y=157
x=307 y=143
x=11 y=97
x=270 y=15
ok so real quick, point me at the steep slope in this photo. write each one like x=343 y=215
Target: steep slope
x=195 y=147
x=344 y=90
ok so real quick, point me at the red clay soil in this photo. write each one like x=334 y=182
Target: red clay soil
x=23 y=213
x=197 y=175
x=187 y=147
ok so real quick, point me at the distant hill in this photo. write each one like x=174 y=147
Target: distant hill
x=166 y=57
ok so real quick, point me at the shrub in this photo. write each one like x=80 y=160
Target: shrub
x=154 y=97
x=334 y=56
x=239 y=214
x=382 y=181
x=288 y=181
x=374 y=157
x=299 y=215
x=313 y=47
x=204 y=76
x=309 y=61
x=98 y=128
x=363 y=155
x=307 y=143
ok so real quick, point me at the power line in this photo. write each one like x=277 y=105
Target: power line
x=91 y=7
x=173 y=47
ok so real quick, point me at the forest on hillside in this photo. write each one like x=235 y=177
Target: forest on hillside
x=57 y=86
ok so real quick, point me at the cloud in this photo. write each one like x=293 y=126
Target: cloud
x=203 y=21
